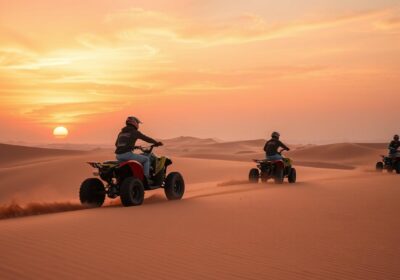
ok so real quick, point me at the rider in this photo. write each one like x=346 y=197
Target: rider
x=272 y=146
x=125 y=144
x=394 y=146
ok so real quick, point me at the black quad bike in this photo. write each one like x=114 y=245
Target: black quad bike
x=389 y=163
x=127 y=180
x=277 y=170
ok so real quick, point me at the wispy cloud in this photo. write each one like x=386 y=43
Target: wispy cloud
x=246 y=28
x=142 y=52
x=69 y=113
x=389 y=25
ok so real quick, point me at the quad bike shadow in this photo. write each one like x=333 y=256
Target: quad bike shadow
x=127 y=180
x=277 y=170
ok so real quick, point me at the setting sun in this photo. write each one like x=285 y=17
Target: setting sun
x=60 y=132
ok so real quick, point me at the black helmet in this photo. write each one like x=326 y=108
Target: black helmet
x=396 y=137
x=131 y=120
x=275 y=135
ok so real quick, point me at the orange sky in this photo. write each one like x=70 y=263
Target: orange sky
x=317 y=71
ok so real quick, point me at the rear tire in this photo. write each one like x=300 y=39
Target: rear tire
x=292 y=176
x=379 y=166
x=254 y=176
x=398 y=167
x=132 y=192
x=279 y=175
x=174 y=186
x=92 y=192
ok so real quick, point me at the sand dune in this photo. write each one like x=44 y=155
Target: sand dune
x=345 y=152
x=44 y=170
x=189 y=141
x=332 y=224
x=340 y=156
x=59 y=178
x=12 y=154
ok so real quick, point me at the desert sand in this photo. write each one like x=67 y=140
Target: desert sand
x=340 y=221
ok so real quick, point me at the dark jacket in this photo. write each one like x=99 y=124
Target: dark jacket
x=272 y=146
x=127 y=139
x=394 y=146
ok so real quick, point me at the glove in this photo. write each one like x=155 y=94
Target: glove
x=158 y=144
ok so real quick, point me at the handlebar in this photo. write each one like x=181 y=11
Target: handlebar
x=281 y=151
x=147 y=149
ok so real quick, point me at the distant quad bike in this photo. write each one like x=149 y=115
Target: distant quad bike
x=389 y=163
x=127 y=180
x=273 y=169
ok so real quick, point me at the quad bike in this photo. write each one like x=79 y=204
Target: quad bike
x=273 y=169
x=127 y=180
x=389 y=163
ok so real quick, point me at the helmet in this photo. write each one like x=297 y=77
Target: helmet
x=396 y=137
x=275 y=135
x=133 y=121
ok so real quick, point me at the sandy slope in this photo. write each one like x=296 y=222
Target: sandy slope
x=333 y=224
x=59 y=178
x=336 y=156
x=12 y=155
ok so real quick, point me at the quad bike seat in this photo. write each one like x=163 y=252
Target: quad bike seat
x=263 y=161
x=111 y=162
x=287 y=161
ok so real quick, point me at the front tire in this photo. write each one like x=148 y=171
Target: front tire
x=132 y=192
x=292 y=176
x=379 y=166
x=264 y=177
x=174 y=186
x=279 y=175
x=92 y=193
x=254 y=176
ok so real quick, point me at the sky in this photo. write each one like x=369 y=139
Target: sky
x=316 y=71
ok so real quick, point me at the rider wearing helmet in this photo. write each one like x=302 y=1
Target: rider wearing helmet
x=272 y=146
x=126 y=141
x=394 y=146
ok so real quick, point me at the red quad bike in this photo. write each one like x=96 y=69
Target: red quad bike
x=273 y=169
x=127 y=180
x=389 y=163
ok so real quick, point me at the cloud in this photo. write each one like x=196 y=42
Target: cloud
x=211 y=81
x=81 y=57
x=10 y=56
x=139 y=52
x=136 y=23
x=14 y=40
x=69 y=113
x=391 y=25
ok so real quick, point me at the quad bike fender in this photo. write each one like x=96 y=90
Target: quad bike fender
x=161 y=164
x=279 y=164
x=129 y=169
x=287 y=161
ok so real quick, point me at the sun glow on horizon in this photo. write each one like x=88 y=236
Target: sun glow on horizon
x=60 y=132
